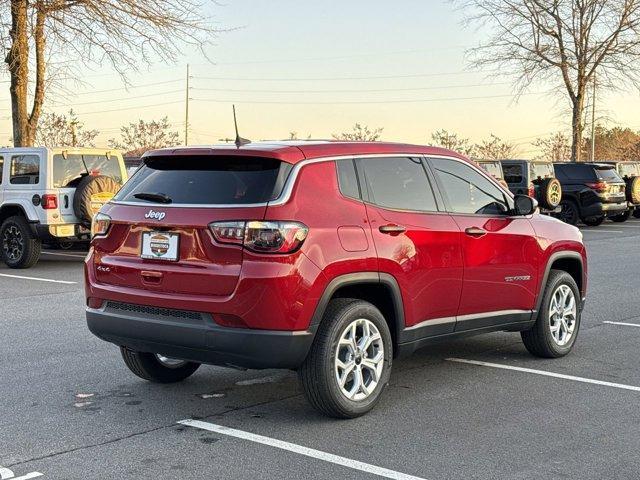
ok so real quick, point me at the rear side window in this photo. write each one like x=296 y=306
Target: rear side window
x=468 y=191
x=67 y=172
x=1 y=167
x=575 y=172
x=512 y=173
x=25 y=170
x=541 y=170
x=398 y=183
x=607 y=173
x=347 y=179
x=629 y=169
x=202 y=180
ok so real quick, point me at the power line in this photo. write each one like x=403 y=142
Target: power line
x=116 y=99
x=93 y=92
x=423 y=100
x=366 y=90
x=327 y=79
x=131 y=108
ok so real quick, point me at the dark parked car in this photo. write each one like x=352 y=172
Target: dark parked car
x=535 y=178
x=590 y=192
x=630 y=173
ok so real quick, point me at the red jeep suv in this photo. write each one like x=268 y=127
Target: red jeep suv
x=329 y=258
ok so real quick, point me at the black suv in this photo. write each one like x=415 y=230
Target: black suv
x=535 y=178
x=590 y=192
x=630 y=173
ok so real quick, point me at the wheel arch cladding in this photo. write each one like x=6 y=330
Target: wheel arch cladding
x=570 y=262
x=10 y=210
x=379 y=289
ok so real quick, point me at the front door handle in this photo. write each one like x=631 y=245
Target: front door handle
x=392 y=229
x=475 y=232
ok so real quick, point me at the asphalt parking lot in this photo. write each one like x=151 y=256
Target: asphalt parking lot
x=70 y=409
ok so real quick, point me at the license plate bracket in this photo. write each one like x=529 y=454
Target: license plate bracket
x=160 y=246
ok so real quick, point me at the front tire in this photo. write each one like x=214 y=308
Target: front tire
x=593 y=221
x=556 y=329
x=19 y=247
x=623 y=217
x=157 y=368
x=349 y=364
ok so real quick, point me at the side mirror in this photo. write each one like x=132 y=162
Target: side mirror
x=524 y=205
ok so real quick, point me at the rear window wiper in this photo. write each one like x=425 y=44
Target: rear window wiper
x=154 y=197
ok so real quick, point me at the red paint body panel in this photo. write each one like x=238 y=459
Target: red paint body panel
x=441 y=271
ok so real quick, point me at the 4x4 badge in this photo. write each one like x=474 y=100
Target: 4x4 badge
x=155 y=215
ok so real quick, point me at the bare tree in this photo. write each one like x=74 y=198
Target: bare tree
x=555 y=148
x=494 y=148
x=451 y=141
x=58 y=130
x=360 y=133
x=565 y=42
x=137 y=138
x=124 y=33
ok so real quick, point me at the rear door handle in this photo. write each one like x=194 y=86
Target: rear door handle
x=392 y=229
x=475 y=232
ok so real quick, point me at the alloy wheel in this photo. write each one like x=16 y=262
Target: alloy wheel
x=12 y=243
x=562 y=315
x=359 y=359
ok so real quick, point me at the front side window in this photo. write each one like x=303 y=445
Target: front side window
x=398 y=183
x=512 y=173
x=1 y=167
x=25 y=170
x=493 y=168
x=467 y=190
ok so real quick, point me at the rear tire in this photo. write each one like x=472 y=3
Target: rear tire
x=148 y=366
x=19 y=247
x=623 y=217
x=546 y=339
x=341 y=378
x=569 y=212
x=593 y=221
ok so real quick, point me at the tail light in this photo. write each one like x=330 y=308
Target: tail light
x=532 y=190
x=49 y=201
x=600 y=187
x=260 y=236
x=100 y=224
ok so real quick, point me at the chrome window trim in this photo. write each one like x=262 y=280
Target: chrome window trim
x=287 y=191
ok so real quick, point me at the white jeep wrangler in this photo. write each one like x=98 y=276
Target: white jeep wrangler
x=50 y=195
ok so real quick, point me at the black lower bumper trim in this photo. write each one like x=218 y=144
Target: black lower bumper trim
x=201 y=340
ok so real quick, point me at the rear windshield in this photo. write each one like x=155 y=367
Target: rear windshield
x=201 y=180
x=67 y=172
x=541 y=170
x=607 y=173
x=629 y=169
x=493 y=168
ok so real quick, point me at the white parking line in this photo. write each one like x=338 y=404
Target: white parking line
x=546 y=374
x=65 y=282
x=6 y=474
x=308 y=452
x=64 y=254
x=623 y=323
x=599 y=230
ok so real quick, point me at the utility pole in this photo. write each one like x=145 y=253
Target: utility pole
x=186 y=112
x=593 y=120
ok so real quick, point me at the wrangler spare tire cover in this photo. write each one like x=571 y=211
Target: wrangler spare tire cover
x=633 y=189
x=91 y=194
x=550 y=193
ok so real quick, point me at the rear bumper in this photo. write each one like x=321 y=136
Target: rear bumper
x=194 y=336
x=606 y=209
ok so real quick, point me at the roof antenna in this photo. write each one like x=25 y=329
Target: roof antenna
x=239 y=140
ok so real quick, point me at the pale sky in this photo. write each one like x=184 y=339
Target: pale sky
x=318 y=67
